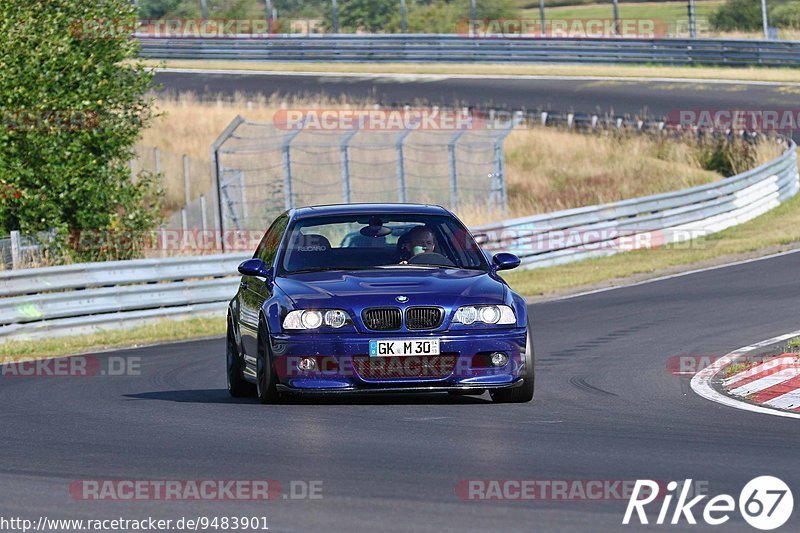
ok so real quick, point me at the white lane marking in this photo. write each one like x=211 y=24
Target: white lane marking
x=435 y=77
x=790 y=400
x=763 y=383
x=664 y=278
x=701 y=382
x=778 y=364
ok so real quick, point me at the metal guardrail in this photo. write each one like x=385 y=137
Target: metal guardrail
x=600 y=230
x=427 y=48
x=84 y=298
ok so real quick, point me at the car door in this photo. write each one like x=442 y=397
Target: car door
x=254 y=291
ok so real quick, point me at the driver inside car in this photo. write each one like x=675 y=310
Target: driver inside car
x=418 y=240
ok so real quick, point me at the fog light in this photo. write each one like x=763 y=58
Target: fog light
x=307 y=363
x=499 y=359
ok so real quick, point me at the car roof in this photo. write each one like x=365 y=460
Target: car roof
x=368 y=209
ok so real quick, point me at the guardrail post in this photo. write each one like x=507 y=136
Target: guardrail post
x=16 y=248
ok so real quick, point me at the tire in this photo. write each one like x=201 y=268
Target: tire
x=266 y=378
x=238 y=387
x=524 y=393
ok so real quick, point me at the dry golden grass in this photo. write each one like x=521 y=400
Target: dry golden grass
x=547 y=169
x=550 y=170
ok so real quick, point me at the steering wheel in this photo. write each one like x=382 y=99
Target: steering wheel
x=430 y=258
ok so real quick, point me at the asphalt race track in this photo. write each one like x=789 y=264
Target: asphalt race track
x=606 y=408
x=655 y=97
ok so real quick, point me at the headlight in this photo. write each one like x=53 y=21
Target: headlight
x=316 y=318
x=488 y=314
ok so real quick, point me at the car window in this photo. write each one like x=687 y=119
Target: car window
x=268 y=247
x=371 y=241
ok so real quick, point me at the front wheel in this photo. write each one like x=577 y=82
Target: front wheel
x=238 y=387
x=523 y=393
x=266 y=379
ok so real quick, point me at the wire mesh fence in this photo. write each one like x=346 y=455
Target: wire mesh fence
x=262 y=169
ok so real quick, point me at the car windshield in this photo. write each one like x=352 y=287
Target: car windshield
x=358 y=242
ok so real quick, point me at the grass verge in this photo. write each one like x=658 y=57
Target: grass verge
x=159 y=332
x=781 y=75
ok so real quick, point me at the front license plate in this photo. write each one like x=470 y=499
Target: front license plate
x=403 y=347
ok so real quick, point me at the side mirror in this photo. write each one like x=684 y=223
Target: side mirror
x=255 y=267
x=505 y=261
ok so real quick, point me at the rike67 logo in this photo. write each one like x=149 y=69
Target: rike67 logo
x=765 y=503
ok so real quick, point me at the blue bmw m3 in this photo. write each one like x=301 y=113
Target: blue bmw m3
x=364 y=298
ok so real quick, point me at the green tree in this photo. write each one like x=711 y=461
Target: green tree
x=367 y=15
x=786 y=15
x=73 y=101
x=737 y=15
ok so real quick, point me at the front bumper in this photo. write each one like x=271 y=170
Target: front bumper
x=344 y=364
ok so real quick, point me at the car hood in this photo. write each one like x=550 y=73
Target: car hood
x=378 y=287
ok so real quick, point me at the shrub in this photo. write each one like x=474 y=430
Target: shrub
x=73 y=105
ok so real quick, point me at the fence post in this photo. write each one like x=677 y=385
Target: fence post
x=243 y=196
x=401 y=167
x=499 y=158
x=451 y=150
x=345 y=164
x=335 y=8
x=215 y=176
x=288 y=187
x=187 y=191
x=541 y=18
x=16 y=260
x=157 y=156
x=184 y=227
x=203 y=216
